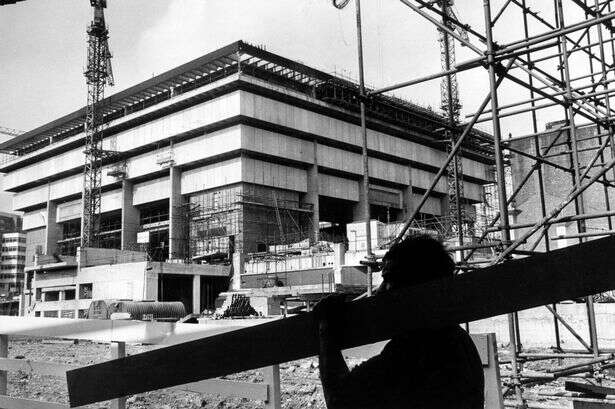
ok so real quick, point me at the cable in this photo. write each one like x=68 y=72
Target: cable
x=340 y=4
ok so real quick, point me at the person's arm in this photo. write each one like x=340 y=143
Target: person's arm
x=342 y=389
x=332 y=366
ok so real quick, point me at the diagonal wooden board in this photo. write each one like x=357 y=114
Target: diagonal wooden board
x=571 y=272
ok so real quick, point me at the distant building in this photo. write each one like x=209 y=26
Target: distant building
x=558 y=183
x=12 y=263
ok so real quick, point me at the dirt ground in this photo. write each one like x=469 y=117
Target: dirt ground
x=299 y=380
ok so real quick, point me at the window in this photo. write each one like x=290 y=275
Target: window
x=85 y=291
x=50 y=314
x=52 y=296
x=69 y=294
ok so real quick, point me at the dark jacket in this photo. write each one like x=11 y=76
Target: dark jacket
x=423 y=369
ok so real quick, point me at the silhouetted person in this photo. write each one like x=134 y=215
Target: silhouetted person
x=428 y=368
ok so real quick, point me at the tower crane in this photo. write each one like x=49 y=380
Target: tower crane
x=98 y=74
x=451 y=106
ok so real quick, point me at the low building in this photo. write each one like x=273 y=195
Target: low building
x=12 y=263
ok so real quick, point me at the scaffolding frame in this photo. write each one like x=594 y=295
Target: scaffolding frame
x=517 y=62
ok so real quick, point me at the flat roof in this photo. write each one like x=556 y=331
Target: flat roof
x=242 y=57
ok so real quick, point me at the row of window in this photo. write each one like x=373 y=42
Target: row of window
x=61 y=314
x=18 y=248
x=14 y=240
x=14 y=257
x=85 y=292
x=13 y=267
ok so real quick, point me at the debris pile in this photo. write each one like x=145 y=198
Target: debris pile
x=240 y=307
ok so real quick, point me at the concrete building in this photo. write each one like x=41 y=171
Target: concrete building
x=558 y=183
x=12 y=255
x=12 y=263
x=230 y=154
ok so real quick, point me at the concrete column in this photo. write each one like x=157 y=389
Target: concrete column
x=52 y=232
x=339 y=254
x=177 y=240
x=408 y=197
x=238 y=260
x=312 y=195
x=130 y=217
x=358 y=210
x=196 y=294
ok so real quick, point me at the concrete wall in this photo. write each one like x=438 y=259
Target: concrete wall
x=34 y=238
x=135 y=281
x=240 y=137
x=316 y=276
x=87 y=257
x=537 y=330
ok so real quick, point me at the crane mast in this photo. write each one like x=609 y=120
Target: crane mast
x=450 y=105
x=98 y=74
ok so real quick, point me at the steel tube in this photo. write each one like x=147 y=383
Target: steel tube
x=569 y=328
x=364 y=153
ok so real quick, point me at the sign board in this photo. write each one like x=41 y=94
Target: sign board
x=143 y=237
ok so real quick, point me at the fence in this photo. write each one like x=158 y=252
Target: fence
x=118 y=333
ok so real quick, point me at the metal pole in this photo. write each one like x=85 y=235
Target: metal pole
x=539 y=180
x=575 y=162
x=365 y=193
x=501 y=189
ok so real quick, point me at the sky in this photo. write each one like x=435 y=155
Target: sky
x=43 y=47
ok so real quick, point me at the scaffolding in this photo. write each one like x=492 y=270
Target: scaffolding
x=246 y=219
x=560 y=64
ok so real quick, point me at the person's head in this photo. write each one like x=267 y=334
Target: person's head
x=415 y=260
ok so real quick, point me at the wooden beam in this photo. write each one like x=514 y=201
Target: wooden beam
x=159 y=333
x=38 y=367
x=571 y=272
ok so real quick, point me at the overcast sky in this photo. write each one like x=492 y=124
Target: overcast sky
x=43 y=46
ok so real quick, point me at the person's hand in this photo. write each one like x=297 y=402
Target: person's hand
x=327 y=315
x=328 y=308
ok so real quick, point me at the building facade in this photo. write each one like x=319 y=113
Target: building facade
x=557 y=182
x=229 y=154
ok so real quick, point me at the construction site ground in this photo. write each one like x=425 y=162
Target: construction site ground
x=300 y=383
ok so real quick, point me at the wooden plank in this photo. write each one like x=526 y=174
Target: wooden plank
x=571 y=272
x=18 y=403
x=38 y=367
x=274 y=393
x=493 y=383
x=481 y=341
x=247 y=390
x=118 y=350
x=4 y=352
